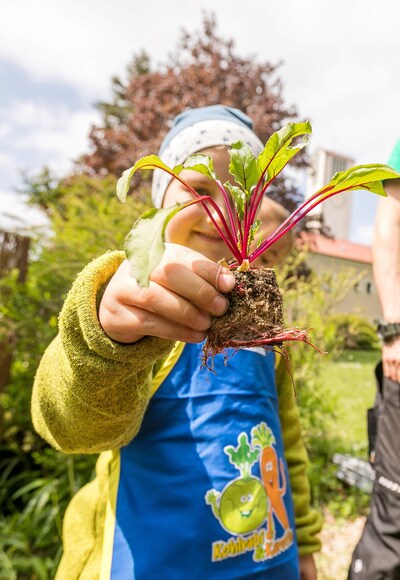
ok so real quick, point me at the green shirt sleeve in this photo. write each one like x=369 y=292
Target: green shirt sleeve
x=90 y=393
x=308 y=520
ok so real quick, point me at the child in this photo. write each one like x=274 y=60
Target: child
x=192 y=481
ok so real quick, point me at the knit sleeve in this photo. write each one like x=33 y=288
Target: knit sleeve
x=308 y=520
x=90 y=393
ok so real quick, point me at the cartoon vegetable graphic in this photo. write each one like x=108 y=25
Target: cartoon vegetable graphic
x=272 y=475
x=242 y=505
x=258 y=319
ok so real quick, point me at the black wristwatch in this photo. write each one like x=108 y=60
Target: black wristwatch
x=388 y=330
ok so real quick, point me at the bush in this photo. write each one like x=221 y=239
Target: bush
x=309 y=303
x=37 y=482
x=35 y=491
x=354 y=332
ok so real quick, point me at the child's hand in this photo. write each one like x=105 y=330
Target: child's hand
x=185 y=289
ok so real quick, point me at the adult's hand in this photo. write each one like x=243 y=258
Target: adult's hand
x=391 y=359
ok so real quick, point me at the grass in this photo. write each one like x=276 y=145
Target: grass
x=350 y=383
x=348 y=387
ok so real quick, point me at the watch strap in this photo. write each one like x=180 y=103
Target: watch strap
x=388 y=330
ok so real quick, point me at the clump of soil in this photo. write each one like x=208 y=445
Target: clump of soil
x=254 y=316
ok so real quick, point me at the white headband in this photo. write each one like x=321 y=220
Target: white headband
x=197 y=137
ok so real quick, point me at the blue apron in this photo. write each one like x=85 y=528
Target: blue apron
x=203 y=489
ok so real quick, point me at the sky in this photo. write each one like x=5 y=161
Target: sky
x=340 y=68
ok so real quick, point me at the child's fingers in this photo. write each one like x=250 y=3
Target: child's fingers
x=195 y=278
x=175 y=290
x=160 y=300
x=132 y=323
x=193 y=288
x=211 y=272
x=177 y=304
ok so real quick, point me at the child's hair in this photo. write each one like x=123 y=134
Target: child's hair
x=198 y=129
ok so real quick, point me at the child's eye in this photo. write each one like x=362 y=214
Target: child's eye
x=202 y=191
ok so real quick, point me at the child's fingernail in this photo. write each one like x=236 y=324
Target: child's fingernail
x=226 y=281
x=220 y=305
x=203 y=321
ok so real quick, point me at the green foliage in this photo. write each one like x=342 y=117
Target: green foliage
x=310 y=303
x=279 y=150
x=253 y=175
x=147 y=243
x=35 y=491
x=242 y=456
x=36 y=482
x=354 y=332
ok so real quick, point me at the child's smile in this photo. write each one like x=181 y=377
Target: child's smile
x=192 y=227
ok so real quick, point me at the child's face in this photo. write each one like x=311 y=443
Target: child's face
x=192 y=227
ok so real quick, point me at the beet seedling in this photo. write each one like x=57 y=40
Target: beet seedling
x=263 y=322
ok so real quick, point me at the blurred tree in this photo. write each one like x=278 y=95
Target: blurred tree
x=85 y=220
x=203 y=70
x=36 y=482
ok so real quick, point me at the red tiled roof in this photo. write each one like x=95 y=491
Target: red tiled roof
x=343 y=249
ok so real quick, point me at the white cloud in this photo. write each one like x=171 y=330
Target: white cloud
x=45 y=135
x=85 y=43
x=5 y=129
x=80 y=43
x=5 y=159
x=53 y=129
x=340 y=65
x=17 y=215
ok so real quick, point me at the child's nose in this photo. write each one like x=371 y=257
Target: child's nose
x=216 y=217
x=222 y=207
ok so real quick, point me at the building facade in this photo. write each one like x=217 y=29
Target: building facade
x=336 y=257
x=335 y=211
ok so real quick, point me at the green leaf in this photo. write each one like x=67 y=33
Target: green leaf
x=368 y=177
x=262 y=436
x=243 y=166
x=149 y=162
x=253 y=230
x=278 y=150
x=199 y=162
x=239 y=198
x=144 y=245
x=242 y=455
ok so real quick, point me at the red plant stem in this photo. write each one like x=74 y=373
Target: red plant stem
x=257 y=198
x=258 y=195
x=290 y=222
x=228 y=236
x=250 y=214
x=203 y=199
x=246 y=230
x=229 y=239
x=232 y=215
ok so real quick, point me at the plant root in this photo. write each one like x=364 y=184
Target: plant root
x=268 y=341
x=254 y=317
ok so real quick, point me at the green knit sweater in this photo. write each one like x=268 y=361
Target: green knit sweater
x=89 y=396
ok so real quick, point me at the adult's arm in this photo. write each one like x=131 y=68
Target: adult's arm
x=386 y=266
